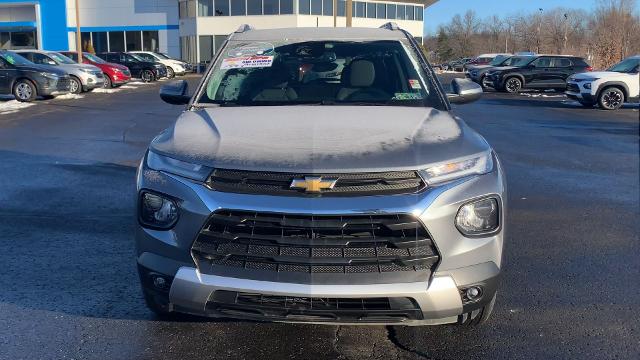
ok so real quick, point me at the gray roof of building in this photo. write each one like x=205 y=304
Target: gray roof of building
x=326 y=33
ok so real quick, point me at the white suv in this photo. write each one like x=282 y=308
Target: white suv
x=174 y=67
x=611 y=88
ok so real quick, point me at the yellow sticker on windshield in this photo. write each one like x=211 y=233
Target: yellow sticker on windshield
x=415 y=84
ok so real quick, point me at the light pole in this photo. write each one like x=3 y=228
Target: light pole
x=348 y=12
x=539 y=30
x=78 y=35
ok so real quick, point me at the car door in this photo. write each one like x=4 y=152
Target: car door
x=133 y=65
x=6 y=74
x=539 y=75
x=561 y=69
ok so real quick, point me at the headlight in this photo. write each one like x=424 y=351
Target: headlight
x=586 y=79
x=587 y=85
x=50 y=75
x=474 y=73
x=449 y=171
x=88 y=71
x=177 y=167
x=157 y=211
x=478 y=217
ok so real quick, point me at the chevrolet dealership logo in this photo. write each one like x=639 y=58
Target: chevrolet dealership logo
x=313 y=184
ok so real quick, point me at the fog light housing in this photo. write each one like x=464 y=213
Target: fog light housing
x=157 y=211
x=587 y=85
x=480 y=217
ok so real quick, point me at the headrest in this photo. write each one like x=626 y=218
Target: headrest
x=362 y=73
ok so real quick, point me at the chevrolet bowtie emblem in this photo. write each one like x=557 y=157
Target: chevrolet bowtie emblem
x=313 y=184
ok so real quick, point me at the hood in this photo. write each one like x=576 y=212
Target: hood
x=72 y=67
x=478 y=67
x=116 y=66
x=43 y=68
x=318 y=138
x=598 y=74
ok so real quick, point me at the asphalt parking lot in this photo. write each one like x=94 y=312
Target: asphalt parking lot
x=69 y=288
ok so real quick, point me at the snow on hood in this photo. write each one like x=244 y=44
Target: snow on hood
x=598 y=74
x=318 y=138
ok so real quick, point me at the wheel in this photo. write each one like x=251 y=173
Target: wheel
x=513 y=85
x=75 y=85
x=170 y=73
x=108 y=84
x=482 y=82
x=611 y=98
x=478 y=317
x=147 y=76
x=24 y=90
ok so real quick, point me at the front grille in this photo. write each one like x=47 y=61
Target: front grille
x=304 y=248
x=573 y=87
x=279 y=183
x=384 y=309
x=64 y=84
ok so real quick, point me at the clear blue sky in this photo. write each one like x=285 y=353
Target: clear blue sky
x=442 y=11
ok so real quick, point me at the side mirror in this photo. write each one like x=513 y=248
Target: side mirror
x=464 y=91
x=175 y=93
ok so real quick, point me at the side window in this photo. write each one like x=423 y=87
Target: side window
x=3 y=65
x=561 y=62
x=42 y=59
x=124 y=58
x=542 y=62
x=73 y=56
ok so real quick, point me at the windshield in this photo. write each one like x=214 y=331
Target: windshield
x=60 y=59
x=499 y=60
x=163 y=56
x=625 y=66
x=94 y=58
x=319 y=72
x=14 y=59
x=136 y=57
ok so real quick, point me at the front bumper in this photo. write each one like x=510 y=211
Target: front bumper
x=464 y=261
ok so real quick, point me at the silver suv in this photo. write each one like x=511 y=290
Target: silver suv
x=84 y=77
x=318 y=175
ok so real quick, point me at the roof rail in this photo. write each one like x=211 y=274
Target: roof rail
x=244 y=28
x=390 y=26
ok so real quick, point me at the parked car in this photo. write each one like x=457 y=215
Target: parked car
x=189 y=67
x=296 y=213
x=148 y=71
x=84 y=77
x=26 y=80
x=477 y=72
x=609 y=89
x=174 y=67
x=540 y=72
x=458 y=65
x=114 y=74
x=485 y=59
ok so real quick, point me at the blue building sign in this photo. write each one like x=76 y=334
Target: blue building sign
x=33 y=24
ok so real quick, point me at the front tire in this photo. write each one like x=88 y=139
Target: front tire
x=75 y=85
x=24 y=91
x=108 y=84
x=170 y=73
x=611 y=98
x=513 y=85
x=147 y=76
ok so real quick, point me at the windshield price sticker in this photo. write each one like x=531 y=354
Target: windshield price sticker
x=415 y=84
x=247 y=62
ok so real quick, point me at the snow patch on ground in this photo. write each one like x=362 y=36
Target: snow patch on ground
x=137 y=83
x=536 y=95
x=12 y=106
x=105 y=91
x=69 y=97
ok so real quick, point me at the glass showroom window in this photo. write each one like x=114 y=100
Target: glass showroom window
x=286 y=7
x=360 y=9
x=342 y=7
x=304 y=7
x=5 y=40
x=327 y=7
x=150 y=41
x=371 y=10
x=391 y=11
x=316 y=7
x=116 y=41
x=254 y=7
x=400 y=12
x=206 y=48
x=134 y=40
x=222 y=8
x=238 y=7
x=410 y=12
x=419 y=13
x=205 y=7
x=85 y=41
x=271 y=7
x=381 y=11
x=100 y=43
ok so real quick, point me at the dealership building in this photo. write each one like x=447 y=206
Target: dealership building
x=188 y=29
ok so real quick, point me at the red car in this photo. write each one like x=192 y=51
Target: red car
x=114 y=74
